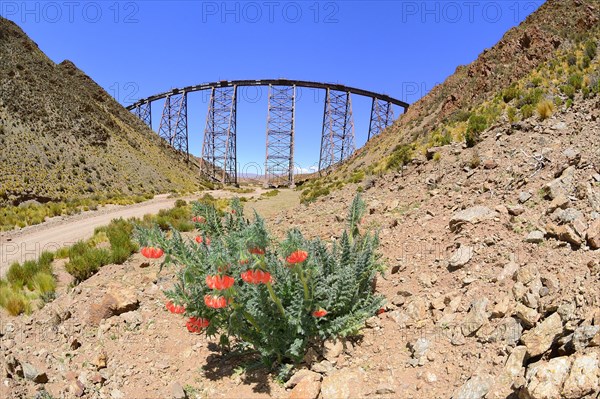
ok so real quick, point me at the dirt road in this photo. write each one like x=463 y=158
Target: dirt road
x=58 y=232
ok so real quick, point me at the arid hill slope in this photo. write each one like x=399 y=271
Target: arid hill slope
x=63 y=136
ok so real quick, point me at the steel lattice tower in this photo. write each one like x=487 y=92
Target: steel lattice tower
x=279 y=160
x=337 y=138
x=144 y=112
x=382 y=115
x=173 y=123
x=219 y=146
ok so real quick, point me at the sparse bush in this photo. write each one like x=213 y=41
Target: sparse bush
x=475 y=161
x=569 y=103
x=531 y=97
x=437 y=156
x=571 y=59
x=13 y=300
x=119 y=235
x=527 y=111
x=477 y=124
x=511 y=114
x=270 y=193
x=401 y=155
x=590 y=49
x=180 y=203
x=576 y=80
x=85 y=261
x=545 y=109
x=511 y=93
x=44 y=284
x=568 y=90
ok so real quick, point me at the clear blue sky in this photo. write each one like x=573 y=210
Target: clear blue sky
x=138 y=48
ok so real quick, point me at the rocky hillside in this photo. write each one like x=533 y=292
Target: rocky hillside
x=556 y=25
x=63 y=136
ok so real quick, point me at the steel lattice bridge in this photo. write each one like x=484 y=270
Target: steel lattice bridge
x=219 y=150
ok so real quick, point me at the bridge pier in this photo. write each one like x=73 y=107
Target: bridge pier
x=144 y=112
x=279 y=158
x=173 y=126
x=337 y=137
x=382 y=115
x=219 y=145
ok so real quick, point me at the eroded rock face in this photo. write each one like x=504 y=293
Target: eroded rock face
x=114 y=303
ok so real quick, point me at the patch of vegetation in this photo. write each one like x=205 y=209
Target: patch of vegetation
x=527 y=111
x=400 y=156
x=545 y=109
x=270 y=193
x=477 y=124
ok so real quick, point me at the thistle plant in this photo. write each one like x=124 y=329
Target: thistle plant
x=277 y=297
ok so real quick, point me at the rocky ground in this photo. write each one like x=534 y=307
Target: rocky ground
x=492 y=286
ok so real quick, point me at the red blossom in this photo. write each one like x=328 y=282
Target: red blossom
x=152 y=252
x=215 y=302
x=380 y=311
x=198 y=219
x=257 y=251
x=219 y=282
x=199 y=240
x=195 y=325
x=298 y=256
x=244 y=261
x=320 y=312
x=256 y=277
x=177 y=309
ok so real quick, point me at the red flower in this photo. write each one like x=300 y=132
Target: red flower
x=224 y=268
x=199 y=240
x=320 y=312
x=380 y=311
x=198 y=219
x=256 y=277
x=257 y=251
x=151 y=252
x=233 y=212
x=298 y=256
x=195 y=325
x=177 y=309
x=215 y=302
x=219 y=282
x=244 y=261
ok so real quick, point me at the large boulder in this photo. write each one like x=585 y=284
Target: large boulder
x=539 y=339
x=544 y=380
x=114 y=303
x=583 y=378
x=471 y=215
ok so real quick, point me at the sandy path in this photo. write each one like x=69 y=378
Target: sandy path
x=61 y=231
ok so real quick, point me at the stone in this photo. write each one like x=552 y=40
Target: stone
x=419 y=348
x=33 y=374
x=527 y=315
x=323 y=367
x=544 y=380
x=573 y=156
x=306 y=389
x=101 y=361
x=560 y=202
x=535 y=237
x=515 y=210
x=301 y=375
x=509 y=331
x=475 y=388
x=461 y=257
x=539 y=339
x=332 y=349
x=471 y=215
x=76 y=388
x=514 y=364
x=569 y=215
x=385 y=389
x=417 y=309
x=501 y=307
x=490 y=164
x=561 y=185
x=583 y=377
x=593 y=234
x=114 y=303
x=524 y=196
x=567 y=234
x=177 y=391
x=476 y=317
x=341 y=384
x=508 y=271
x=526 y=274
x=582 y=337
x=116 y=394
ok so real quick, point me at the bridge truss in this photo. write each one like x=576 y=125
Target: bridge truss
x=220 y=134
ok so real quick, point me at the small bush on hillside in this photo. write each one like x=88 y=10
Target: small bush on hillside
x=568 y=90
x=477 y=124
x=545 y=109
x=511 y=93
x=400 y=156
x=44 y=284
x=511 y=114
x=527 y=111
x=180 y=203
x=531 y=97
x=84 y=261
x=13 y=300
x=576 y=80
x=591 y=49
x=119 y=236
x=571 y=59
x=270 y=193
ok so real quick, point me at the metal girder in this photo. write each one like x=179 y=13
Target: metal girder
x=337 y=138
x=173 y=126
x=144 y=112
x=279 y=159
x=219 y=146
x=382 y=115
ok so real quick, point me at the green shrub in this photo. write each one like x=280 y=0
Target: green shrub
x=357 y=176
x=45 y=261
x=527 y=111
x=568 y=90
x=286 y=307
x=511 y=114
x=15 y=274
x=401 y=155
x=180 y=203
x=13 y=300
x=84 y=261
x=511 y=93
x=531 y=97
x=270 y=193
x=571 y=59
x=44 y=284
x=119 y=236
x=477 y=124
x=590 y=49
x=576 y=80
x=569 y=103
